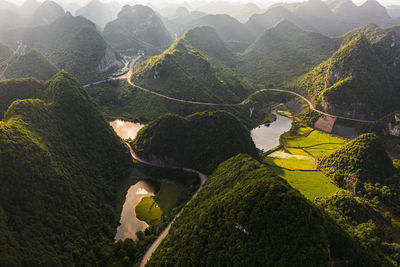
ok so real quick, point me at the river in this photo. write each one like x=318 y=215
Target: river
x=129 y=224
x=267 y=137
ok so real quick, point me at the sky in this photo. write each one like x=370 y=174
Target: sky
x=164 y=2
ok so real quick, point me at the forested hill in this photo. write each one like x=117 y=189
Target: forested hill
x=138 y=28
x=200 y=141
x=283 y=53
x=196 y=67
x=360 y=79
x=361 y=160
x=247 y=216
x=60 y=163
x=32 y=64
x=70 y=43
x=17 y=89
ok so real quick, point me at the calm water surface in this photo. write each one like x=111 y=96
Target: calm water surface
x=126 y=129
x=267 y=137
x=129 y=223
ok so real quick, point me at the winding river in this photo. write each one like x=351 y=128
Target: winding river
x=267 y=137
x=129 y=223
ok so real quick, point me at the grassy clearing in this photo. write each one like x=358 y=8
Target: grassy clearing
x=301 y=173
x=311 y=142
x=149 y=211
x=311 y=184
x=168 y=196
x=290 y=164
x=296 y=151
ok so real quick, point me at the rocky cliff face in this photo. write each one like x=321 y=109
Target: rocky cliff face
x=393 y=126
x=108 y=62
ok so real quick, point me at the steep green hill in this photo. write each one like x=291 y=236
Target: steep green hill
x=235 y=34
x=200 y=141
x=246 y=216
x=354 y=82
x=206 y=40
x=60 y=164
x=138 y=28
x=194 y=68
x=283 y=53
x=71 y=43
x=361 y=160
x=363 y=220
x=33 y=64
x=11 y=90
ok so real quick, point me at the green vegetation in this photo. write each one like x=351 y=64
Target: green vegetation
x=291 y=163
x=138 y=28
x=148 y=210
x=200 y=141
x=71 y=43
x=364 y=221
x=361 y=160
x=33 y=64
x=312 y=142
x=247 y=216
x=312 y=184
x=15 y=89
x=174 y=188
x=301 y=147
x=118 y=99
x=187 y=72
x=357 y=81
x=283 y=53
x=60 y=164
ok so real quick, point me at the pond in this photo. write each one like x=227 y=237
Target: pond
x=129 y=224
x=126 y=129
x=267 y=137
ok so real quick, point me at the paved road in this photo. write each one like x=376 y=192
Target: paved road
x=133 y=63
x=160 y=238
x=245 y=100
x=310 y=105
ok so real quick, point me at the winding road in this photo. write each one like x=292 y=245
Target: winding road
x=160 y=238
x=134 y=62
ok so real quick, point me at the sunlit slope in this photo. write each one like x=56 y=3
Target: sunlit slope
x=246 y=215
x=194 y=68
x=359 y=80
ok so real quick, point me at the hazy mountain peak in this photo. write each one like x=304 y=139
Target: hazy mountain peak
x=286 y=25
x=46 y=13
x=374 y=9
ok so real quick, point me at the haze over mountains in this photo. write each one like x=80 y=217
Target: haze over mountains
x=257 y=134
